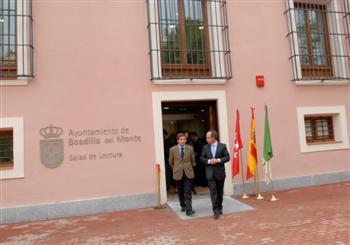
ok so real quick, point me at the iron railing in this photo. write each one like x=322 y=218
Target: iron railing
x=189 y=39
x=347 y=18
x=16 y=39
x=319 y=39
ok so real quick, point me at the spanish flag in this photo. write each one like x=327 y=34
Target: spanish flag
x=252 y=154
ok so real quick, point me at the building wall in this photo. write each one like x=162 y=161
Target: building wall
x=92 y=71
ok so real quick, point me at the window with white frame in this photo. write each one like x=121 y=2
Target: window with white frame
x=188 y=39
x=16 y=49
x=318 y=34
x=322 y=128
x=11 y=148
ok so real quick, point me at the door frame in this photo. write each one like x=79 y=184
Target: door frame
x=157 y=98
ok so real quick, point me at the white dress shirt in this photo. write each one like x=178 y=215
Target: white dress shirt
x=213 y=148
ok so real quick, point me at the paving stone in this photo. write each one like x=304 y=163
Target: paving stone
x=315 y=215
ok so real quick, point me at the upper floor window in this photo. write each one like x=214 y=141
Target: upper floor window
x=16 y=50
x=318 y=37
x=313 y=40
x=188 y=39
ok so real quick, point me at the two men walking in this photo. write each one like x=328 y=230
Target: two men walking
x=182 y=160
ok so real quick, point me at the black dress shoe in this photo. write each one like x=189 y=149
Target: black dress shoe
x=216 y=215
x=183 y=209
x=189 y=213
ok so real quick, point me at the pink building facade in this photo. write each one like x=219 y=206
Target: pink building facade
x=83 y=101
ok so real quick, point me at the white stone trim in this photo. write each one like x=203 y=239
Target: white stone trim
x=294 y=41
x=339 y=123
x=158 y=98
x=190 y=81
x=18 y=147
x=321 y=82
x=14 y=82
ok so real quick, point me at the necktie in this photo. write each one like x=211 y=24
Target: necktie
x=182 y=153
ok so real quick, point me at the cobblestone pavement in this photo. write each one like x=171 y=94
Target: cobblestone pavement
x=315 y=215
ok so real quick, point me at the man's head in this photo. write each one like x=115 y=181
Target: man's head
x=193 y=136
x=181 y=138
x=186 y=134
x=211 y=136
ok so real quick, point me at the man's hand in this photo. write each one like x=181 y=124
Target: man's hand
x=214 y=161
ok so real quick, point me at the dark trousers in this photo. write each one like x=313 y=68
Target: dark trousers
x=216 y=188
x=184 y=192
x=168 y=175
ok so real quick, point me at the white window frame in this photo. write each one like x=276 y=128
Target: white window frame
x=23 y=59
x=339 y=118
x=215 y=41
x=332 y=5
x=18 y=147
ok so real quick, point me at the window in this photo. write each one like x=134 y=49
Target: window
x=184 y=38
x=16 y=50
x=188 y=39
x=11 y=148
x=311 y=22
x=6 y=148
x=319 y=129
x=318 y=38
x=322 y=128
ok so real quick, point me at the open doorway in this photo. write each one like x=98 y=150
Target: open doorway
x=194 y=118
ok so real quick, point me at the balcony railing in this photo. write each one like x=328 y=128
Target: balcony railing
x=16 y=41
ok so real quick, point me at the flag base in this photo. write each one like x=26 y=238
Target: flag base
x=245 y=196
x=260 y=197
x=273 y=198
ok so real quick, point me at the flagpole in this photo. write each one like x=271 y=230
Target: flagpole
x=273 y=197
x=259 y=196
x=244 y=196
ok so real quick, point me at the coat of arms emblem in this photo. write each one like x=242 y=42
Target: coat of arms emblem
x=51 y=147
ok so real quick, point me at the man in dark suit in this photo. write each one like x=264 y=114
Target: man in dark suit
x=199 y=170
x=182 y=161
x=215 y=155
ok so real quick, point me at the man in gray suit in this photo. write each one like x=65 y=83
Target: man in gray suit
x=182 y=161
x=214 y=156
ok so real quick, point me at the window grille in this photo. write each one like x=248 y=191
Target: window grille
x=189 y=39
x=319 y=129
x=347 y=19
x=319 y=38
x=6 y=148
x=16 y=42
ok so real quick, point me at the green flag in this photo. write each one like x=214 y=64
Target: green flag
x=268 y=154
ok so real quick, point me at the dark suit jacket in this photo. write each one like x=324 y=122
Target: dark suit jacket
x=217 y=170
